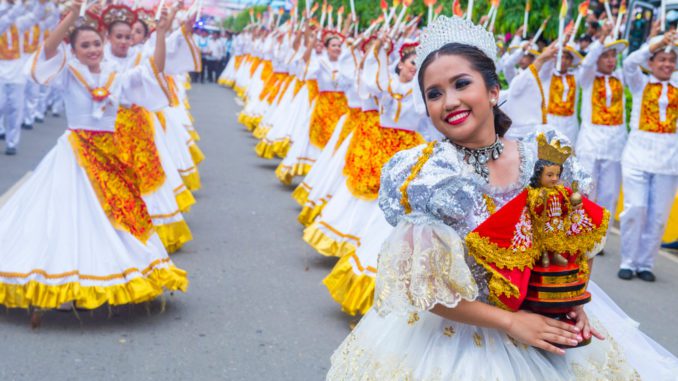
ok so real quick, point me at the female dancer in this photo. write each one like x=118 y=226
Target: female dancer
x=78 y=230
x=432 y=317
x=135 y=134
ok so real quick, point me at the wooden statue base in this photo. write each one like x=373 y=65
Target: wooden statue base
x=554 y=291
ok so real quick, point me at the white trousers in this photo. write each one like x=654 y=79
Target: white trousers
x=648 y=198
x=31 y=101
x=607 y=178
x=12 y=107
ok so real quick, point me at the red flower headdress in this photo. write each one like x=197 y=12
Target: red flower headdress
x=147 y=17
x=118 y=13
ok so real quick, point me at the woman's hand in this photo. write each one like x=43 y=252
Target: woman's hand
x=542 y=332
x=583 y=324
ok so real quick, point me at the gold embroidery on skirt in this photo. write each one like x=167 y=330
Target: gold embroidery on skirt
x=135 y=141
x=115 y=183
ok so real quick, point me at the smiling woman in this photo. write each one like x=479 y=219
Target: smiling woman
x=438 y=310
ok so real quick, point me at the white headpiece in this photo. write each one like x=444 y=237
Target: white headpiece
x=445 y=30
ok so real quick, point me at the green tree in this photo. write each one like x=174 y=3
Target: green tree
x=509 y=16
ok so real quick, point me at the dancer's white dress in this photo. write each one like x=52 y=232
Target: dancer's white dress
x=59 y=243
x=423 y=263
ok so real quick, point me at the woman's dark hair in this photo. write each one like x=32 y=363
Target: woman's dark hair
x=114 y=23
x=535 y=180
x=328 y=40
x=480 y=63
x=76 y=31
x=406 y=57
x=146 y=31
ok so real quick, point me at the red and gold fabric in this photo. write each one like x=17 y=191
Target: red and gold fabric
x=509 y=242
x=115 y=183
x=601 y=114
x=329 y=108
x=370 y=148
x=10 y=48
x=557 y=106
x=650 y=120
x=134 y=138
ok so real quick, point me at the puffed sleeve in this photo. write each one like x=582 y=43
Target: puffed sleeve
x=145 y=86
x=48 y=72
x=422 y=263
x=182 y=54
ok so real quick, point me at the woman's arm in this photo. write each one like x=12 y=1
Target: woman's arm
x=160 y=46
x=57 y=36
x=528 y=328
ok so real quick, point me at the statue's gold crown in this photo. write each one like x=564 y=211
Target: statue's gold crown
x=552 y=152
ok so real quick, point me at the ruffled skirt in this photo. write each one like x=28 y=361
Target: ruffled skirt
x=424 y=346
x=59 y=245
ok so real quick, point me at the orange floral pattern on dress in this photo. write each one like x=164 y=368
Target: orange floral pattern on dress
x=238 y=62
x=136 y=147
x=115 y=183
x=30 y=46
x=10 y=51
x=556 y=104
x=649 y=113
x=255 y=65
x=329 y=108
x=370 y=148
x=297 y=86
x=313 y=90
x=272 y=87
x=355 y=118
x=600 y=113
x=286 y=84
x=267 y=71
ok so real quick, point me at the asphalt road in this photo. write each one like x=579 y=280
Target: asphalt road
x=256 y=308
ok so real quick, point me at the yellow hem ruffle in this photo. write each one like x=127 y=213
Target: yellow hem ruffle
x=193 y=134
x=261 y=131
x=326 y=245
x=192 y=181
x=137 y=290
x=174 y=235
x=264 y=149
x=196 y=153
x=354 y=292
x=281 y=147
x=310 y=212
x=300 y=194
x=185 y=200
x=285 y=174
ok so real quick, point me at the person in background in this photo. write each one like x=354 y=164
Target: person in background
x=649 y=161
x=212 y=57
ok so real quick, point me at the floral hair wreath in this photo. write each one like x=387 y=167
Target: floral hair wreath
x=147 y=17
x=118 y=13
x=329 y=34
x=408 y=48
x=91 y=20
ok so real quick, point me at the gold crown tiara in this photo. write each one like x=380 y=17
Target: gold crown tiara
x=552 y=152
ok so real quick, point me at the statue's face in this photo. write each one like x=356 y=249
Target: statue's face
x=550 y=176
